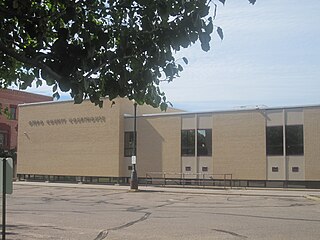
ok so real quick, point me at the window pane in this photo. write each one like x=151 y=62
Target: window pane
x=2 y=140
x=13 y=112
x=204 y=142
x=274 y=141
x=294 y=140
x=128 y=144
x=295 y=169
x=187 y=142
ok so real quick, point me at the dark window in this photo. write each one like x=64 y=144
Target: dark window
x=204 y=169
x=187 y=142
x=13 y=112
x=128 y=144
x=274 y=141
x=275 y=169
x=188 y=169
x=3 y=140
x=129 y=168
x=295 y=169
x=4 y=136
x=294 y=140
x=204 y=142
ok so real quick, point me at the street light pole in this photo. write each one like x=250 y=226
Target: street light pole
x=134 y=175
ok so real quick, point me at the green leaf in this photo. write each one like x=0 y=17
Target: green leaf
x=56 y=96
x=215 y=11
x=209 y=27
x=78 y=98
x=205 y=39
x=163 y=106
x=38 y=83
x=54 y=88
x=220 y=32
x=185 y=60
x=6 y=112
x=86 y=85
x=205 y=47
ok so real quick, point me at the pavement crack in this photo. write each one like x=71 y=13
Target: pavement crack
x=129 y=224
x=171 y=202
x=136 y=209
x=231 y=233
x=102 y=235
x=267 y=217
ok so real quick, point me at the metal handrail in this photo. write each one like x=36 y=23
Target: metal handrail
x=184 y=176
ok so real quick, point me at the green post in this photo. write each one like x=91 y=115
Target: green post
x=4 y=183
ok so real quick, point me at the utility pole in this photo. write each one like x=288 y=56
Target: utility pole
x=134 y=175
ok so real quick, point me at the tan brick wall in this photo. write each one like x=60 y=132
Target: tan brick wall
x=239 y=145
x=312 y=143
x=126 y=124
x=278 y=162
x=296 y=161
x=159 y=144
x=81 y=147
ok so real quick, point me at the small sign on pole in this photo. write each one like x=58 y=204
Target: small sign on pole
x=9 y=175
x=6 y=173
x=133 y=159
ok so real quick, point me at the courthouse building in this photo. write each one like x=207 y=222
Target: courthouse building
x=269 y=146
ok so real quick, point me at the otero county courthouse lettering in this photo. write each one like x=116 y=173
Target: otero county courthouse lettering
x=67 y=140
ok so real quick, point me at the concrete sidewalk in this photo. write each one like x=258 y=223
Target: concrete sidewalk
x=313 y=194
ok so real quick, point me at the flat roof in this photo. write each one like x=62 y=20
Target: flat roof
x=46 y=102
x=244 y=109
x=23 y=92
x=240 y=109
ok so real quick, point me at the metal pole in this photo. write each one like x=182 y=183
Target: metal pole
x=183 y=179
x=134 y=175
x=231 y=181
x=4 y=198
x=203 y=180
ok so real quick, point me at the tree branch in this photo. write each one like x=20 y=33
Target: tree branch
x=95 y=70
x=30 y=62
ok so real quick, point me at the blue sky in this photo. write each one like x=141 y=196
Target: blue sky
x=270 y=56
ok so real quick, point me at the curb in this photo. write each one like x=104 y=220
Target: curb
x=312 y=197
x=219 y=192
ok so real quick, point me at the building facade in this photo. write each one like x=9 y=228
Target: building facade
x=9 y=101
x=261 y=146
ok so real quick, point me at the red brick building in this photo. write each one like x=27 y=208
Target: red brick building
x=9 y=100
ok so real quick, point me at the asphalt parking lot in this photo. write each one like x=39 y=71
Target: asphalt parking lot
x=84 y=212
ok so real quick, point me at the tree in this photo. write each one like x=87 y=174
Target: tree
x=98 y=48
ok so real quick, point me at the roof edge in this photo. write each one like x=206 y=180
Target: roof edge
x=225 y=111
